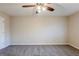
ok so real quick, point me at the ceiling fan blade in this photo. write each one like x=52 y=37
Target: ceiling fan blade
x=28 y=6
x=50 y=8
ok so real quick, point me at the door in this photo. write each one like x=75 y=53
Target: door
x=2 y=33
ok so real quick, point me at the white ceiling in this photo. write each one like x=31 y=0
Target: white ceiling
x=61 y=9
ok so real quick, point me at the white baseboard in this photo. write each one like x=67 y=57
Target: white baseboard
x=4 y=46
x=40 y=44
x=74 y=46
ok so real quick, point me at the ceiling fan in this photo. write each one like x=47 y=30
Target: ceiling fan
x=40 y=7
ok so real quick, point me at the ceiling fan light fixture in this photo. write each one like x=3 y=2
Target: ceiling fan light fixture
x=39 y=11
x=44 y=8
x=38 y=7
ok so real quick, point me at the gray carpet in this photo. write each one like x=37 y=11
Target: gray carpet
x=39 y=50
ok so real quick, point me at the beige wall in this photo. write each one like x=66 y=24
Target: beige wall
x=29 y=30
x=74 y=30
x=4 y=30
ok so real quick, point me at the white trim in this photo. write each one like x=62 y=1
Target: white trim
x=74 y=46
x=40 y=44
x=4 y=47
